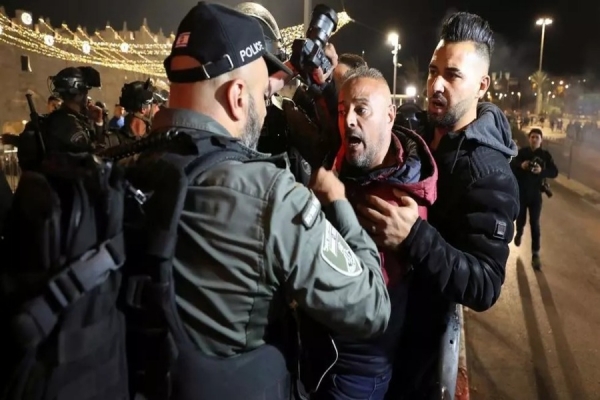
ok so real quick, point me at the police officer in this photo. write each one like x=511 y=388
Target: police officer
x=275 y=136
x=531 y=167
x=161 y=100
x=253 y=240
x=73 y=127
x=140 y=102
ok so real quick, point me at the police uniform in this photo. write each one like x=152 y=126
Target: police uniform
x=117 y=137
x=251 y=233
x=135 y=96
x=252 y=240
x=124 y=135
x=68 y=131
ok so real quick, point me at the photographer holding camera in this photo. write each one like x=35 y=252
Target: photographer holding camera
x=301 y=127
x=532 y=166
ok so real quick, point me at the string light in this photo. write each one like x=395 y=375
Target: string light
x=127 y=55
x=26 y=18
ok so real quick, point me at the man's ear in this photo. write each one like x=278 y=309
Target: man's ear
x=484 y=85
x=235 y=94
x=392 y=110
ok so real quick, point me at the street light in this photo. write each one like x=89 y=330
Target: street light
x=393 y=39
x=411 y=91
x=543 y=22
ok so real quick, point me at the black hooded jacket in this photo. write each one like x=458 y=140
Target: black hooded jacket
x=459 y=255
x=464 y=245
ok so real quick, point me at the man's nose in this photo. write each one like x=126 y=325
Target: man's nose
x=438 y=84
x=351 y=119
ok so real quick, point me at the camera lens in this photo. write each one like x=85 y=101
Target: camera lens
x=322 y=24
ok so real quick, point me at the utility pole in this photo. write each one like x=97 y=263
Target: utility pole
x=307 y=12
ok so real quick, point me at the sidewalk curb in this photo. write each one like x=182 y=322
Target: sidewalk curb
x=584 y=191
x=462 y=380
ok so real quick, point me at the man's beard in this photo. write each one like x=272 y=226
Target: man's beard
x=364 y=161
x=451 y=117
x=253 y=127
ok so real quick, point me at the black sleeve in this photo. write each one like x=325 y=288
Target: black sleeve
x=67 y=133
x=99 y=131
x=550 y=170
x=516 y=162
x=472 y=271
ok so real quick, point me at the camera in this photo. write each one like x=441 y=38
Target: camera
x=534 y=163
x=309 y=54
x=545 y=186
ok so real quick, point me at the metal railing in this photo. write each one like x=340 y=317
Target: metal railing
x=9 y=163
x=450 y=350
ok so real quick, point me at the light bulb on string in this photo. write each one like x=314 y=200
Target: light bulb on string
x=26 y=18
x=86 y=48
x=49 y=40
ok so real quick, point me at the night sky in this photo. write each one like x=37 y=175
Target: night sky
x=572 y=45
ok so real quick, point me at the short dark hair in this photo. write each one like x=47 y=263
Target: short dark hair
x=352 y=60
x=536 y=131
x=467 y=27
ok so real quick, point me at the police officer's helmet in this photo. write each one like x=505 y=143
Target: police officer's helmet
x=75 y=80
x=408 y=116
x=135 y=95
x=160 y=97
x=271 y=32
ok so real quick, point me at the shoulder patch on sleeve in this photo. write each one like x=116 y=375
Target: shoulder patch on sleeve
x=338 y=254
x=500 y=230
x=78 y=137
x=311 y=211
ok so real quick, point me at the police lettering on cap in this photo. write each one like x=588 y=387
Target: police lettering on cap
x=221 y=39
x=252 y=51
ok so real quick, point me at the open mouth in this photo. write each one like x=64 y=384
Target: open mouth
x=354 y=141
x=438 y=103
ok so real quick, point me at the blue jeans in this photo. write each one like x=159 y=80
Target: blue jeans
x=353 y=387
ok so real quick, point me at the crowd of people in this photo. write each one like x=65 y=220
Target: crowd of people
x=340 y=289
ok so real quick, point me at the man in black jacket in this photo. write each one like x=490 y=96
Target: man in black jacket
x=531 y=167
x=459 y=255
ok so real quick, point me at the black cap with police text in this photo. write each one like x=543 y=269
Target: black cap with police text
x=221 y=39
